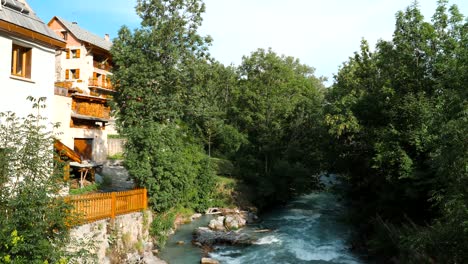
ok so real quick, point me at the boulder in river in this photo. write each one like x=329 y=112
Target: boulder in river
x=217 y=223
x=234 y=221
x=208 y=237
x=209 y=261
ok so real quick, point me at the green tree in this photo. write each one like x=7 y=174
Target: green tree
x=155 y=66
x=397 y=115
x=277 y=99
x=32 y=218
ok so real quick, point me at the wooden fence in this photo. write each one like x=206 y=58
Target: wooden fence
x=93 y=207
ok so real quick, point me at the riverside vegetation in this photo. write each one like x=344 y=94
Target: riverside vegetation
x=393 y=124
x=33 y=221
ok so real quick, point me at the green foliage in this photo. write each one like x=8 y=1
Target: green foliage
x=115 y=136
x=223 y=166
x=156 y=73
x=278 y=107
x=86 y=189
x=117 y=156
x=161 y=226
x=32 y=218
x=398 y=116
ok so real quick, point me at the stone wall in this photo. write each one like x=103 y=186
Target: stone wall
x=124 y=239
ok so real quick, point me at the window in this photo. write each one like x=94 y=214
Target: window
x=21 y=61
x=64 y=35
x=72 y=74
x=74 y=54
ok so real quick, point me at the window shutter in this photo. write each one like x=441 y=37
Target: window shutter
x=78 y=53
x=77 y=74
x=28 y=64
x=68 y=53
x=67 y=74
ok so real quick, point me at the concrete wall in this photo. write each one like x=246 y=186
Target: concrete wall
x=14 y=90
x=110 y=238
x=115 y=146
x=99 y=138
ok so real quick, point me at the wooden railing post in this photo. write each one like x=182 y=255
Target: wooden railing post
x=113 y=205
x=145 y=199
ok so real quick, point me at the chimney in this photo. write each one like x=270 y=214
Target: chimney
x=75 y=23
x=106 y=37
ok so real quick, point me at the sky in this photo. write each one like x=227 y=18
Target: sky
x=320 y=33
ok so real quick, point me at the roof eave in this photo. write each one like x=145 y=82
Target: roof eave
x=25 y=32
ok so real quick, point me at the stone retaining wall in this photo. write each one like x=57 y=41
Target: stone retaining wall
x=122 y=240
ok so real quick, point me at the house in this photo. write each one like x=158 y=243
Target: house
x=82 y=89
x=27 y=48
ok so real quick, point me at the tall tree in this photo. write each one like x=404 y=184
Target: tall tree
x=277 y=97
x=154 y=72
x=397 y=115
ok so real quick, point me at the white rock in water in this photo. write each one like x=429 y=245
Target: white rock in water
x=217 y=224
x=195 y=216
x=234 y=221
x=209 y=261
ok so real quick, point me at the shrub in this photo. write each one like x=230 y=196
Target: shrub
x=32 y=218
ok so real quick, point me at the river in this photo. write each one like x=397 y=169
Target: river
x=309 y=229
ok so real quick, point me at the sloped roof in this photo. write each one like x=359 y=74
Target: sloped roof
x=20 y=13
x=84 y=35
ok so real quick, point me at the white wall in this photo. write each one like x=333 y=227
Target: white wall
x=13 y=92
x=61 y=114
x=99 y=141
x=67 y=134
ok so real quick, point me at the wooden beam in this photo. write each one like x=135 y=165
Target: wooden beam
x=66 y=151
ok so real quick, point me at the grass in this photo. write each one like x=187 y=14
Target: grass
x=85 y=190
x=117 y=156
x=225 y=190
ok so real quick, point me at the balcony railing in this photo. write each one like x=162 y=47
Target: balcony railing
x=94 y=107
x=64 y=84
x=105 y=84
x=102 y=66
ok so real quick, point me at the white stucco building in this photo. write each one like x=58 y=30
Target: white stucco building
x=27 y=64
x=82 y=89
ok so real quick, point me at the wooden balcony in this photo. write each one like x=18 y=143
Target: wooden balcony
x=102 y=66
x=90 y=106
x=101 y=84
x=66 y=88
x=64 y=84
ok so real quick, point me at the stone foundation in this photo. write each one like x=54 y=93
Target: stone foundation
x=124 y=239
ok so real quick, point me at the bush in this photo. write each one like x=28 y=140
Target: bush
x=32 y=219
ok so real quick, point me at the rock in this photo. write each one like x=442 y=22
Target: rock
x=180 y=243
x=149 y=258
x=208 y=237
x=197 y=244
x=209 y=261
x=251 y=217
x=213 y=210
x=262 y=231
x=217 y=223
x=234 y=221
x=195 y=216
x=227 y=211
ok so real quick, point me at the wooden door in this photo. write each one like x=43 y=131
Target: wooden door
x=84 y=148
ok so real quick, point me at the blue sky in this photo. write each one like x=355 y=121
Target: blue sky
x=321 y=33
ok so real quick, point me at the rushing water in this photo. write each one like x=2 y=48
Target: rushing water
x=307 y=230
